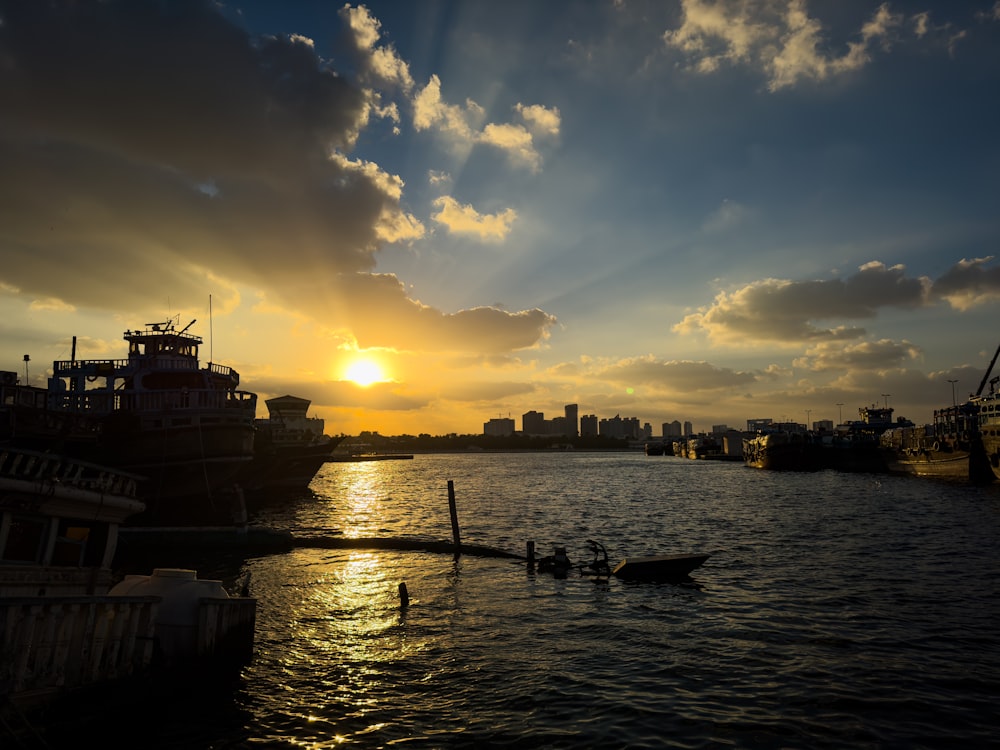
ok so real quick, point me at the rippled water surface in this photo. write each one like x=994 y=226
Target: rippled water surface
x=836 y=611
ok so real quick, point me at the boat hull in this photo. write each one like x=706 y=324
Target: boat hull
x=778 y=453
x=658 y=568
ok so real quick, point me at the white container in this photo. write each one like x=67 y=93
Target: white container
x=180 y=590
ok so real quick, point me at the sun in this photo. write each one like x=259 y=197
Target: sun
x=364 y=372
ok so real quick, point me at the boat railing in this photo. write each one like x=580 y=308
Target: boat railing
x=122 y=367
x=21 y=463
x=104 y=402
x=50 y=644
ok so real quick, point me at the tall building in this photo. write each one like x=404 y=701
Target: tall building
x=688 y=428
x=672 y=429
x=588 y=425
x=533 y=423
x=499 y=427
x=618 y=427
x=571 y=411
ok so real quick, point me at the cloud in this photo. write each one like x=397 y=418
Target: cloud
x=376 y=311
x=539 y=119
x=785 y=312
x=464 y=125
x=431 y=111
x=380 y=65
x=679 y=376
x=193 y=158
x=463 y=219
x=777 y=37
x=106 y=156
x=968 y=284
x=883 y=354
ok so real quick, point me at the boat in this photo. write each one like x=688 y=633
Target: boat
x=663 y=568
x=989 y=427
x=654 y=568
x=186 y=428
x=784 y=446
x=65 y=625
x=855 y=446
x=655 y=448
x=289 y=447
x=949 y=448
x=701 y=447
x=961 y=444
x=989 y=421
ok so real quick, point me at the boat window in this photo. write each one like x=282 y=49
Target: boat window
x=70 y=545
x=24 y=540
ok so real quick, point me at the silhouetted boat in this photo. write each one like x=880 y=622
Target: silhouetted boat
x=658 y=567
x=289 y=446
x=185 y=428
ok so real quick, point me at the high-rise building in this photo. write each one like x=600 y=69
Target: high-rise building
x=571 y=411
x=533 y=423
x=672 y=429
x=588 y=425
x=499 y=427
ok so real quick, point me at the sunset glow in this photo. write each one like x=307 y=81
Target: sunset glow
x=364 y=372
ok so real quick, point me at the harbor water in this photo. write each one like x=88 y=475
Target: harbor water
x=836 y=610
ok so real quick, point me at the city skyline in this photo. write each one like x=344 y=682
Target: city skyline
x=416 y=214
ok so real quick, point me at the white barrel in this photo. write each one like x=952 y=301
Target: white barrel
x=180 y=590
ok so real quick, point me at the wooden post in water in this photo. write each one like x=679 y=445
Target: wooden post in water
x=454 y=519
x=404 y=595
x=531 y=555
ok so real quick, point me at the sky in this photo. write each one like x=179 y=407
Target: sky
x=423 y=216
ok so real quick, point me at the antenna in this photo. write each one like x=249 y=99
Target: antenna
x=211 y=338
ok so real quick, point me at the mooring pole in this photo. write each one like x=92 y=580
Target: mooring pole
x=404 y=595
x=531 y=555
x=454 y=519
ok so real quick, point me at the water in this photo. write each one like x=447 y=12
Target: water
x=836 y=611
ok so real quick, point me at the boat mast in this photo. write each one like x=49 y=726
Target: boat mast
x=989 y=369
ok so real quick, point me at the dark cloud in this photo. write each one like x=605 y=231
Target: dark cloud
x=154 y=149
x=140 y=140
x=968 y=283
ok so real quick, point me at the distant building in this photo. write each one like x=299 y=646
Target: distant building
x=559 y=426
x=589 y=425
x=533 y=423
x=572 y=419
x=688 y=428
x=672 y=429
x=824 y=425
x=754 y=425
x=499 y=427
x=617 y=427
x=718 y=429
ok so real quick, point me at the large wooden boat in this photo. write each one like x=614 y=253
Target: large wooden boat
x=855 y=446
x=962 y=443
x=949 y=448
x=989 y=427
x=784 y=447
x=289 y=447
x=185 y=428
